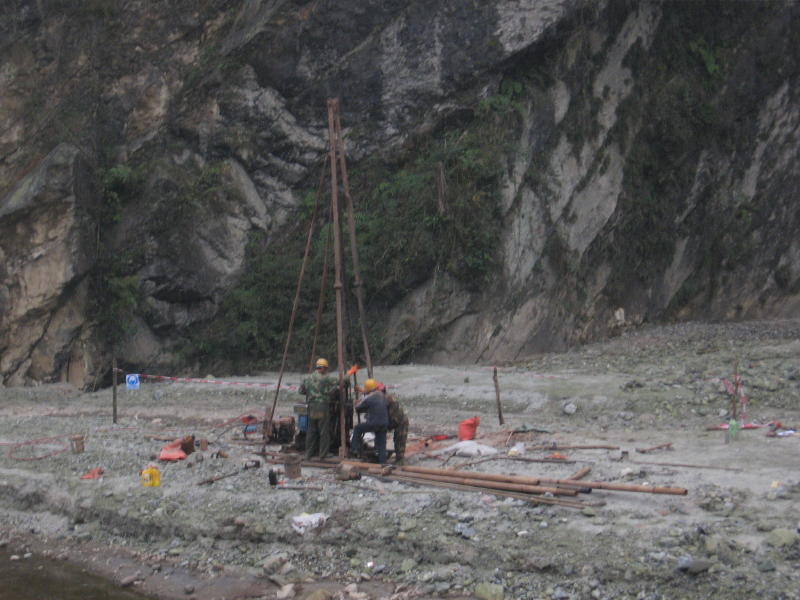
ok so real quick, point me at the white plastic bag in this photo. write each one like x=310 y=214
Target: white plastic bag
x=306 y=522
x=517 y=449
x=468 y=448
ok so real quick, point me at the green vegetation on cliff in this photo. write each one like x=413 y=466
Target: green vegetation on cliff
x=437 y=210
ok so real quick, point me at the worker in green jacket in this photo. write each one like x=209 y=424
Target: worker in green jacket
x=317 y=389
x=398 y=424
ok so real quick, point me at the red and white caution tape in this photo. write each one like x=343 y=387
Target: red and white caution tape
x=534 y=375
x=212 y=381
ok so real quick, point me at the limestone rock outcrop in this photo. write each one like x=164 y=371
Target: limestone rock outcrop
x=650 y=171
x=47 y=250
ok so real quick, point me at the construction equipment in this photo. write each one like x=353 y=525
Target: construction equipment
x=342 y=413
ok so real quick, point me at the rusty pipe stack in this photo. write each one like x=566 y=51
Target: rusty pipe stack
x=568 y=483
x=534 y=489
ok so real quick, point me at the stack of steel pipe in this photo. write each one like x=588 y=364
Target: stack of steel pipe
x=538 y=490
x=507 y=483
x=558 y=483
x=523 y=488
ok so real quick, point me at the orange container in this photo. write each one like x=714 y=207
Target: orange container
x=467 y=428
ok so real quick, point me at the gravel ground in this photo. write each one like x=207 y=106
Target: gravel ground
x=734 y=535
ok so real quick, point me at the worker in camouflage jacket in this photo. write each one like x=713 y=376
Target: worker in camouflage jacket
x=317 y=389
x=398 y=424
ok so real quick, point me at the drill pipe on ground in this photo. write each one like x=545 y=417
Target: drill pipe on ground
x=580 y=473
x=567 y=483
x=473 y=475
x=570 y=483
x=515 y=479
x=533 y=499
x=580 y=447
x=617 y=487
x=481 y=483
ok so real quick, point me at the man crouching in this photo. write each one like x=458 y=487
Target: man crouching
x=374 y=404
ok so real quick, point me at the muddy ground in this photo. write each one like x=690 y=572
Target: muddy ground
x=734 y=535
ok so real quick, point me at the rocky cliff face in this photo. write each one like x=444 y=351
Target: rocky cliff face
x=639 y=162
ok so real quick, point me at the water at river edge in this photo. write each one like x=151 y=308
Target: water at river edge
x=38 y=578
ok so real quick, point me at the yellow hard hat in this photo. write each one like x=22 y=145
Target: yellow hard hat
x=321 y=362
x=370 y=385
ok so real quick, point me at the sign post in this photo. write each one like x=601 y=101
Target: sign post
x=132 y=381
x=114 y=386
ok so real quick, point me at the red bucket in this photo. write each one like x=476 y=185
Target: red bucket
x=467 y=428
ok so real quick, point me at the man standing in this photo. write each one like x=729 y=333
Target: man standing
x=317 y=389
x=374 y=404
x=398 y=423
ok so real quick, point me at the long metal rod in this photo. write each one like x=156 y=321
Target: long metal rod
x=337 y=267
x=534 y=499
x=493 y=478
x=267 y=428
x=580 y=473
x=497 y=485
x=497 y=396
x=618 y=487
x=570 y=483
x=669 y=464
x=321 y=303
x=474 y=475
x=359 y=290
x=410 y=478
x=114 y=393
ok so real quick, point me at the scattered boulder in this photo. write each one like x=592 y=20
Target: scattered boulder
x=569 y=408
x=407 y=524
x=465 y=530
x=765 y=565
x=273 y=562
x=408 y=564
x=489 y=591
x=130 y=580
x=779 y=538
x=693 y=566
x=321 y=594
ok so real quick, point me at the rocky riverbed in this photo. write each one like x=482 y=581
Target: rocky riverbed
x=734 y=535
